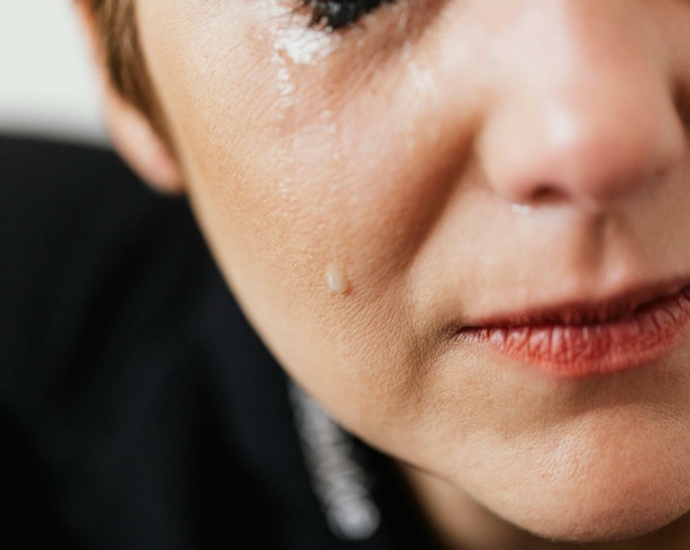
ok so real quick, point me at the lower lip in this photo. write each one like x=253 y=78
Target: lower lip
x=582 y=351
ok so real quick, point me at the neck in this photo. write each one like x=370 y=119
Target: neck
x=461 y=523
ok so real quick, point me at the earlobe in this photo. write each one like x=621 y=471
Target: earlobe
x=140 y=146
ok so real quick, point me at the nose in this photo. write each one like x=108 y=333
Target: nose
x=586 y=119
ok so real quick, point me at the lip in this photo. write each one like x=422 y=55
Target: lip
x=586 y=339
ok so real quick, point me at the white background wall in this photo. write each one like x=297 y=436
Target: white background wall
x=47 y=86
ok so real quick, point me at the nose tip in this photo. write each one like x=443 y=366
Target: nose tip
x=586 y=153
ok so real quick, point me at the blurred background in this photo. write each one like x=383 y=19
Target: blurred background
x=47 y=85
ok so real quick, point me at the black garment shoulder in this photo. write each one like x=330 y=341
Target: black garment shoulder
x=138 y=409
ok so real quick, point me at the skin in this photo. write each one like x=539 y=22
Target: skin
x=450 y=160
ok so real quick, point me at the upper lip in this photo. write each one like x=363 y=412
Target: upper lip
x=616 y=306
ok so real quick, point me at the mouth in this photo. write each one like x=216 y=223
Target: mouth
x=585 y=339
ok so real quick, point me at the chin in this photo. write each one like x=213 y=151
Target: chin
x=607 y=477
x=604 y=496
x=603 y=522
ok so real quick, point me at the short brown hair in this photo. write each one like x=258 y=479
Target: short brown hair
x=117 y=31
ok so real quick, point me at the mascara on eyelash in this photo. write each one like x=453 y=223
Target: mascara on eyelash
x=335 y=14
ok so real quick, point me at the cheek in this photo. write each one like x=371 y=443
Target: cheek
x=292 y=188
x=309 y=152
x=286 y=170
x=309 y=174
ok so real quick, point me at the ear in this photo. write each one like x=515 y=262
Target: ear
x=130 y=131
x=139 y=145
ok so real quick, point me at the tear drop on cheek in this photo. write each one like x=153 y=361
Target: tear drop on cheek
x=336 y=279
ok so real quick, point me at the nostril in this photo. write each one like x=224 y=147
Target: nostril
x=546 y=194
x=683 y=107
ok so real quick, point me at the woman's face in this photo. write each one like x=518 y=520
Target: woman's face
x=375 y=194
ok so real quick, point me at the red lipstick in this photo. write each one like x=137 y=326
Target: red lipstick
x=584 y=340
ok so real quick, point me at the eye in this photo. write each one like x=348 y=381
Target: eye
x=334 y=14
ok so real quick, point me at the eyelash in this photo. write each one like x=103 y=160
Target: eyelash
x=334 y=14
